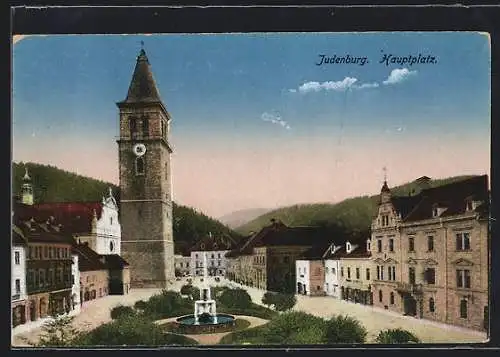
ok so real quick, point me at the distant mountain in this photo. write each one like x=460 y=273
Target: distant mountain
x=352 y=216
x=239 y=218
x=51 y=184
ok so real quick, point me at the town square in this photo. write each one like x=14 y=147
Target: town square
x=238 y=200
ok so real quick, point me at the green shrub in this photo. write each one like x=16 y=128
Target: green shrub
x=131 y=331
x=167 y=304
x=253 y=310
x=235 y=298
x=345 y=329
x=295 y=328
x=391 y=336
x=121 y=311
x=59 y=333
x=140 y=305
x=284 y=302
x=268 y=299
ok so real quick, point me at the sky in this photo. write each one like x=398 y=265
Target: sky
x=257 y=120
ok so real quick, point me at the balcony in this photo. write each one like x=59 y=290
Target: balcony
x=409 y=288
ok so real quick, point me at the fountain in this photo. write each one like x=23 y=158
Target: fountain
x=205 y=307
x=205 y=317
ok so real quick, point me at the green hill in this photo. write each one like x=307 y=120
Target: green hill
x=51 y=184
x=352 y=216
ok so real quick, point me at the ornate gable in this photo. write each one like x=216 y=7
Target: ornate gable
x=430 y=262
x=391 y=261
x=412 y=261
x=462 y=262
x=379 y=261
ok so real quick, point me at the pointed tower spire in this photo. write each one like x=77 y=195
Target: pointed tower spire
x=26 y=177
x=142 y=88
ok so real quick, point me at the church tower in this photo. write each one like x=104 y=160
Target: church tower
x=145 y=181
x=27 y=189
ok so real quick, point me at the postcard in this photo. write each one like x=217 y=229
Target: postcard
x=250 y=189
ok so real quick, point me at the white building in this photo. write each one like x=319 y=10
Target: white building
x=107 y=228
x=302 y=267
x=182 y=265
x=216 y=249
x=18 y=281
x=332 y=270
x=76 y=297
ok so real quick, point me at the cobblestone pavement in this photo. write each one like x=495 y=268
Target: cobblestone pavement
x=97 y=312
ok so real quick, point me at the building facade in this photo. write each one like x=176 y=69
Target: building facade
x=332 y=270
x=75 y=280
x=267 y=258
x=356 y=273
x=18 y=278
x=431 y=252
x=182 y=265
x=145 y=181
x=94 y=273
x=216 y=249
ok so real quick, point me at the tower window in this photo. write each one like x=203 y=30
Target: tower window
x=111 y=246
x=145 y=126
x=133 y=127
x=139 y=166
x=432 y=307
x=391 y=298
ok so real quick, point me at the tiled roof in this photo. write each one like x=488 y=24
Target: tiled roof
x=213 y=243
x=88 y=260
x=142 y=86
x=75 y=217
x=316 y=252
x=114 y=261
x=18 y=237
x=36 y=232
x=452 y=197
x=337 y=255
x=358 y=252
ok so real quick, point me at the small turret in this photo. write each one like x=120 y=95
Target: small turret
x=27 y=189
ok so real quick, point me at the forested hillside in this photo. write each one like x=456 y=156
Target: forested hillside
x=51 y=184
x=351 y=216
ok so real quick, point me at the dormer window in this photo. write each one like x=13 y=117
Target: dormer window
x=368 y=245
x=435 y=212
x=348 y=247
x=469 y=206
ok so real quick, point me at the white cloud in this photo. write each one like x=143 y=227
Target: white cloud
x=368 y=85
x=292 y=90
x=275 y=119
x=399 y=75
x=339 y=86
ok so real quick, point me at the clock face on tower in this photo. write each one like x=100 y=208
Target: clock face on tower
x=139 y=149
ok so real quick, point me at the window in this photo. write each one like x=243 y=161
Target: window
x=50 y=252
x=357 y=273
x=218 y=263
x=218 y=255
x=463 y=309
x=435 y=212
x=342 y=271
x=378 y=272
x=18 y=286
x=380 y=295
x=432 y=306
x=430 y=243
x=46 y=252
x=463 y=241
x=327 y=270
x=430 y=276
x=145 y=126
x=411 y=275
x=212 y=256
x=133 y=127
x=391 y=245
x=391 y=300
x=381 y=273
x=110 y=221
x=389 y=273
x=286 y=259
x=333 y=271
x=367 y=274
x=463 y=279
x=379 y=245
x=393 y=273
x=139 y=166
x=348 y=273
x=385 y=220
x=17 y=258
x=30 y=252
x=196 y=256
x=411 y=244
x=111 y=246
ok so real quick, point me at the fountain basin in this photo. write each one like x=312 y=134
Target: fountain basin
x=186 y=324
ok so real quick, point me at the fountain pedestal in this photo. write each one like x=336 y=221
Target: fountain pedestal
x=205 y=305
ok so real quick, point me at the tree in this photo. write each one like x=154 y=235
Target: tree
x=284 y=302
x=140 y=305
x=268 y=299
x=392 y=336
x=121 y=311
x=295 y=327
x=59 y=332
x=345 y=329
x=186 y=289
x=235 y=298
